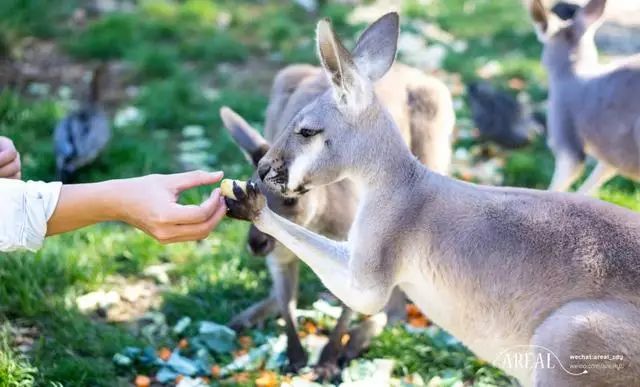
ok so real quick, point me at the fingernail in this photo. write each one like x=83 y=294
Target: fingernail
x=217 y=174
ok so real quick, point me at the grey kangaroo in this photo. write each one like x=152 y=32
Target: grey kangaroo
x=593 y=109
x=421 y=106
x=507 y=271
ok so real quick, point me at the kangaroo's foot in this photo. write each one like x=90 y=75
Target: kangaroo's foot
x=360 y=336
x=328 y=367
x=297 y=356
x=255 y=315
x=327 y=372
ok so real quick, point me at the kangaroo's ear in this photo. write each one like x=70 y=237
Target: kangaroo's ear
x=539 y=14
x=377 y=46
x=592 y=12
x=339 y=65
x=244 y=135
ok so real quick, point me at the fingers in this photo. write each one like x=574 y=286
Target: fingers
x=187 y=180
x=192 y=232
x=8 y=153
x=10 y=170
x=9 y=159
x=190 y=214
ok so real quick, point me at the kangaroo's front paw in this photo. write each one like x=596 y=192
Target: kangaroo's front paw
x=244 y=200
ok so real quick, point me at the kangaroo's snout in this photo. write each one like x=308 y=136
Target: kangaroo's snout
x=263 y=170
x=259 y=243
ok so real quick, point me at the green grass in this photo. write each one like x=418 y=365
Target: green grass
x=15 y=369
x=175 y=51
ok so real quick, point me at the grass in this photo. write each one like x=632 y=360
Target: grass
x=182 y=57
x=15 y=369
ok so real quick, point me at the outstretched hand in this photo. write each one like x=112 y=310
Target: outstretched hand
x=9 y=159
x=149 y=203
x=152 y=206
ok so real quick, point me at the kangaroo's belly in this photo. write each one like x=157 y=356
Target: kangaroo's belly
x=486 y=333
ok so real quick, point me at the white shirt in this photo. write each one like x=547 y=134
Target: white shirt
x=25 y=209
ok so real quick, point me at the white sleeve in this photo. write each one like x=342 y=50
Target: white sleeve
x=25 y=209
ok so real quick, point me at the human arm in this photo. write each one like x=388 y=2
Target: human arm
x=32 y=210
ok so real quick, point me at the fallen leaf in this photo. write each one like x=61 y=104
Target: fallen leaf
x=344 y=340
x=182 y=365
x=267 y=379
x=310 y=327
x=413 y=311
x=216 y=337
x=517 y=83
x=419 y=322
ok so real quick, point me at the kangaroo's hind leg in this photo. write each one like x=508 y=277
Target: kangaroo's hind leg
x=567 y=170
x=602 y=173
x=328 y=367
x=596 y=336
x=278 y=264
x=284 y=269
x=256 y=314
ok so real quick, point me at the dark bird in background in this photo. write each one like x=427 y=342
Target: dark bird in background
x=82 y=135
x=498 y=115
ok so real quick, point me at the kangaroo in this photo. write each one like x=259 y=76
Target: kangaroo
x=421 y=105
x=593 y=109
x=505 y=270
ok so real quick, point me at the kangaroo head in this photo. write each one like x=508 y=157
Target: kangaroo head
x=318 y=146
x=296 y=209
x=568 y=43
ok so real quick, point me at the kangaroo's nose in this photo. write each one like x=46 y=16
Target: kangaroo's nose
x=263 y=169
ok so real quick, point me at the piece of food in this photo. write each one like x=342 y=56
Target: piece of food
x=142 y=381
x=226 y=187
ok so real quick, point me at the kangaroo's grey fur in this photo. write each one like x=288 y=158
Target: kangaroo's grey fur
x=503 y=269
x=421 y=106
x=593 y=109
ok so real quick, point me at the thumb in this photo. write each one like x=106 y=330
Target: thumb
x=187 y=180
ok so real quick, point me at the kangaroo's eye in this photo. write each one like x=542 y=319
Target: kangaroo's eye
x=306 y=132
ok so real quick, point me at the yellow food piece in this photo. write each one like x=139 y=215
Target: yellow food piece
x=226 y=187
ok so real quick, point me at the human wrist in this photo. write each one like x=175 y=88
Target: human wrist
x=110 y=200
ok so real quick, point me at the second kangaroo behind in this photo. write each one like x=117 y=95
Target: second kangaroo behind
x=421 y=106
x=593 y=109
